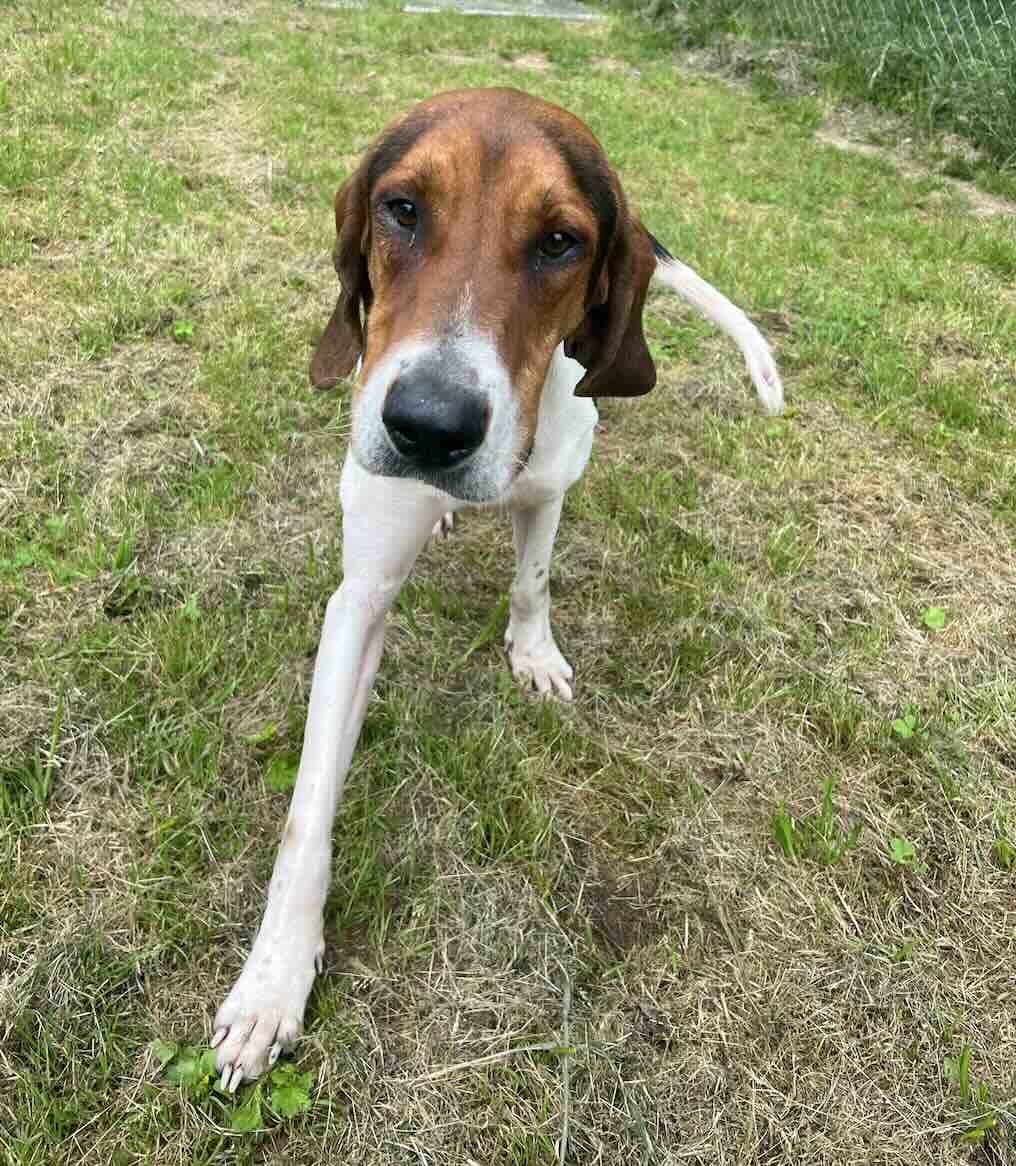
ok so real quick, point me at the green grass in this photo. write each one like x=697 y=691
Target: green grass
x=749 y=896
x=945 y=66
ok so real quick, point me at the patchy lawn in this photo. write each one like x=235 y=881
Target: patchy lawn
x=752 y=897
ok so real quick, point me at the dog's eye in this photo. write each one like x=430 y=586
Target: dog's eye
x=556 y=244
x=403 y=212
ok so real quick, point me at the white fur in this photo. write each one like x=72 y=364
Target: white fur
x=715 y=306
x=386 y=521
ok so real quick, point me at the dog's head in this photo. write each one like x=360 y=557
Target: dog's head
x=480 y=231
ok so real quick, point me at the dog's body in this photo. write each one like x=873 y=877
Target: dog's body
x=492 y=281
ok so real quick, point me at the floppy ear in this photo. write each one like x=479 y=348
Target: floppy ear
x=609 y=342
x=341 y=344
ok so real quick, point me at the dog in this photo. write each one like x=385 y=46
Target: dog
x=492 y=278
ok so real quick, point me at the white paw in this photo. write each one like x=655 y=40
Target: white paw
x=539 y=666
x=444 y=525
x=263 y=1015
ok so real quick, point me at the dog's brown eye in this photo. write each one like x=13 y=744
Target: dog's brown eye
x=403 y=212
x=556 y=244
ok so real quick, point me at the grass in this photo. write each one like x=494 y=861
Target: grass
x=945 y=66
x=749 y=899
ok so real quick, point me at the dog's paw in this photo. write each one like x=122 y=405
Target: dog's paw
x=444 y=526
x=263 y=1015
x=540 y=667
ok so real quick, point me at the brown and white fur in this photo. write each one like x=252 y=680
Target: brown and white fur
x=492 y=282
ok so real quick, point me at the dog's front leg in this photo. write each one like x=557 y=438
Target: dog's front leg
x=535 y=657
x=385 y=524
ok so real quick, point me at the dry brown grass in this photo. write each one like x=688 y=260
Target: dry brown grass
x=743 y=605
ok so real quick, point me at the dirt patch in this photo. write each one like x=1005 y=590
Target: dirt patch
x=450 y=57
x=622 y=908
x=737 y=61
x=535 y=62
x=982 y=204
x=613 y=65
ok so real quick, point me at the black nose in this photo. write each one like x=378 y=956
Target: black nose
x=432 y=423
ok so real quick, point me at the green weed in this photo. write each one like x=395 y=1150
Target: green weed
x=974 y=1097
x=820 y=836
x=282 y=1094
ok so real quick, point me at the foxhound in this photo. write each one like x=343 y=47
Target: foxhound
x=492 y=277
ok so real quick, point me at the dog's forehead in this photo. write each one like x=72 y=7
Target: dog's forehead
x=471 y=131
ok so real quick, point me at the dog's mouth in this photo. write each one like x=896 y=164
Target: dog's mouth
x=465 y=480
x=473 y=479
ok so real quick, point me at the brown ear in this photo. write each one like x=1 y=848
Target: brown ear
x=341 y=344
x=609 y=342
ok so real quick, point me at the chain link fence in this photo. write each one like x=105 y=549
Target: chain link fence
x=951 y=61
x=965 y=34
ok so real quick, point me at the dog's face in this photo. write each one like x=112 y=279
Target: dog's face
x=479 y=232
